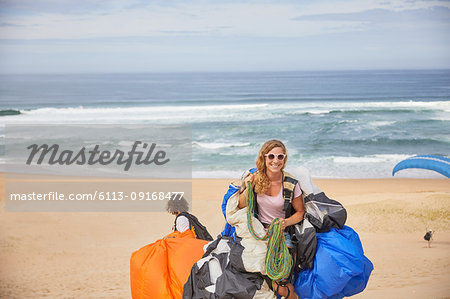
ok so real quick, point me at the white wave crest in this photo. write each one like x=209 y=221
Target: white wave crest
x=371 y=158
x=145 y=114
x=217 y=145
x=217 y=174
x=381 y=123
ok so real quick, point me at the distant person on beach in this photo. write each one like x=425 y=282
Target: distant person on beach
x=267 y=182
x=183 y=221
x=429 y=237
x=176 y=207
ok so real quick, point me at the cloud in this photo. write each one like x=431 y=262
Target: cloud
x=380 y=15
x=200 y=18
x=5 y=24
x=64 y=7
x=159 y=35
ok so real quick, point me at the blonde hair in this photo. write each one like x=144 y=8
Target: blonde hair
x=262 y=182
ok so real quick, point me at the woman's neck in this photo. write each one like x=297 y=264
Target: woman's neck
x=274 y=176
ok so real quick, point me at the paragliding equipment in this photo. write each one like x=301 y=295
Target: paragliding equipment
x=228 y=229
x=340 y=267
x=234 y=265
x=160 y=269
x=430 y=162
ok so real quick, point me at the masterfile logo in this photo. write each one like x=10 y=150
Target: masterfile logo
x=119 y=150
x=88 y=168
x=95 y=156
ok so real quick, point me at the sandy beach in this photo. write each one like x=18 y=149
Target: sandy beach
x=86 y=255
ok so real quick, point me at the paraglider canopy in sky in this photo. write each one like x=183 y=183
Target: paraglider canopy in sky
x=436 y=163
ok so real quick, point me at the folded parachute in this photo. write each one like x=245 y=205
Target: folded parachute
x=221 y=274
x=323 y=212
x=340 y=267
x=160 y=269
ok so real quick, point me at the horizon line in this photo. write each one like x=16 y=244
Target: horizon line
x=223 y=71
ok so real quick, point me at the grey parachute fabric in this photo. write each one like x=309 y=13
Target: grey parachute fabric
x=322 y=212
x=221 y=274
x=305 y=245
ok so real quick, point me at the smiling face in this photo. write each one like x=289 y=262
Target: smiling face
x=275 y=165
x=267 y=166
x=264 y=164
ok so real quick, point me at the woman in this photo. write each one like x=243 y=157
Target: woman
x=267 y=183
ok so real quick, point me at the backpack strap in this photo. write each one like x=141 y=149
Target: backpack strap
x=289 y=183
x=199 y=230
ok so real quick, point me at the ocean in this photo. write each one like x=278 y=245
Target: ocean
x=339 y=124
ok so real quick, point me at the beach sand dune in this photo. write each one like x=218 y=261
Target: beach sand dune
x=86 y=255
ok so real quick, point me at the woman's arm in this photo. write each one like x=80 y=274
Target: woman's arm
x=297 y=203
x=242 y=200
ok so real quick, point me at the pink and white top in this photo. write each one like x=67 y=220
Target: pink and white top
x=271 y=207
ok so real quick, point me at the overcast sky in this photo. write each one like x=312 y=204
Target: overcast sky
x=63 y=36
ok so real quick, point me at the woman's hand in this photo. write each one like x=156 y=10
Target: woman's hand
x=250 y=178
x=295 y=218
x=242 y=199
x=283 y=223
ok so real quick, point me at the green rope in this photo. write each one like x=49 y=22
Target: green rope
x=278 y=259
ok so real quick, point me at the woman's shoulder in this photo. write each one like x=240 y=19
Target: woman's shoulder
x=289 y=177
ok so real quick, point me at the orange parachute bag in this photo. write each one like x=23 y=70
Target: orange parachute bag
x=160 y=269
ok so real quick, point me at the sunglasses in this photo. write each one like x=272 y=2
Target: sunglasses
x=272 y=156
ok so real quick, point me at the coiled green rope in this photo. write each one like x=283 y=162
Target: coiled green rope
x=278 y=260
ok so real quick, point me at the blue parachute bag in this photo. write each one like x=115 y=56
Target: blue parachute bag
x=228 y=230
x=340 y=267
x=232 y=189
